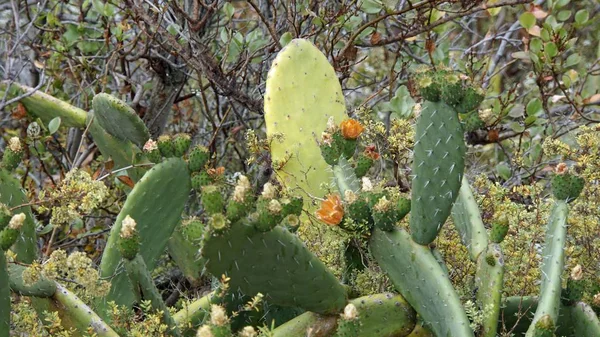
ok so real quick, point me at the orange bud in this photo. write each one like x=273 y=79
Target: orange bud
x=351 y=128
x=370 y=151
x=331 y=211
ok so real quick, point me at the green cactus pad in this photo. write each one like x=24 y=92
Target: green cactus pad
x=119 y=120
x=275 y=263
x=11 y=194
x=4 y=297
x=155 y=203
x=145 y=289
x=417 y=275
x=185 y=254
x=165 y=146
x=129 y=247
x=122 y=152
x=438 y=166
x=574 y=291
x=381 y=315
x=212 y=199
x=553 y=255
x=567 y=186
x=47 y=107
x=468 y=222
x=5 y=216
x=473 y=98
x=42 y=288
x=302 y=92
x=200 y=179
x=489 y=279
x=363 y=165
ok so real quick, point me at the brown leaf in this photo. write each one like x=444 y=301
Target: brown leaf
x=430 y=46
x=97 y=174
x=109 y=165
x=493 y=135
x=375 y=38
x=19 y=111
x=126 y=180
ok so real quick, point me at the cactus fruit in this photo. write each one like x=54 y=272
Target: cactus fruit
x=8 y=236
x=212 y=199
x=129 y=243
x=156 y=203
x=499 y=230
x=181 y=143
x=198 y=158
x=429 y=85
x=576 y=287
x=358 y=209
x=302 y=93
x=566 y=186
x=269 y=214
x=471 y=101
x=363 y=165
x=119 y=120
x=13 y=196
x=386 y=213
x=152 y=152
x=200 y=179
x=544 y=327
x=417 y=275
x=472 y=121
x=166 y=146
x=13 y=154
x=4 y=216
x=330 y=151
x=275 y=263
x=218 y=223
x=292 y=205
x=291 y=223
x=192 y=230
x=552 y=267
x=452 y=89
x=438 y=167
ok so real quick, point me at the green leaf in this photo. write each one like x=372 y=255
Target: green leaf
x=535 y=45
x=572 y=60
x=517 y=127
x=562 y=3
x=285 y=39
x=545 y=34
x=229 y=10
x=401 y=104
x=534 y=107
x=503 y=171
x=54 y=125
x=530 y=120
x=566 y=80
x=551 y=49
x=582 y=16
x=371 y=6
x=527 y=20
x=564 y=15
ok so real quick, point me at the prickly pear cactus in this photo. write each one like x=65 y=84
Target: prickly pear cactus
x=302 y=92
x=118 y=119
x=275 y=263
x=438 y=166
x=156 y=203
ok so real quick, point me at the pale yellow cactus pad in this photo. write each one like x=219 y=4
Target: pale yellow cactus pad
x=302 y=93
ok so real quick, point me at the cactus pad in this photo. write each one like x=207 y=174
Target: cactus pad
x=156 y=203
x=275 y=263
x=417 y=275
x=438 y=166
x=302 y=92
x=119 y=120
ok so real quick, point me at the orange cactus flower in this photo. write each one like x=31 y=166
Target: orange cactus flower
x=351 y=128
x=331 y=211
